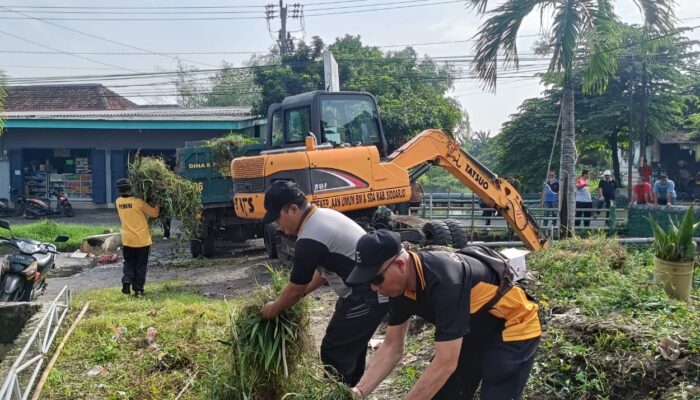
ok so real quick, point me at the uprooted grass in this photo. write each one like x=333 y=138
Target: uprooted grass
x=604 y=318
x=153 y=181
x=275 y=359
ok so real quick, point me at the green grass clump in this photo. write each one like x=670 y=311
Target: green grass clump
x=47 y=231
x=274 y=359
x=153 y=181
x=224 y=149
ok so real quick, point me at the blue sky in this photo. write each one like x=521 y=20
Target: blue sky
x=445 y=22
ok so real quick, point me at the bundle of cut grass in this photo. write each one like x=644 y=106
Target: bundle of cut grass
x=226 y=148
x=275 y=359
x=153 y=181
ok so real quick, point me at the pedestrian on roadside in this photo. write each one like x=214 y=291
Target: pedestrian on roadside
x=487 y=212
x=324 y=251
x=550 y=198
x=641 y=192
x=478 y=342
x=583 y=200
x=664 y=191
x=645 y=169
x=606 y=192
x=136 y=237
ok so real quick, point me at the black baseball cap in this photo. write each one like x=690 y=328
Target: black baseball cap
x=278 y=195
x=372 y=250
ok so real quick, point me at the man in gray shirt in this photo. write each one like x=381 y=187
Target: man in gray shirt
x=325 y=252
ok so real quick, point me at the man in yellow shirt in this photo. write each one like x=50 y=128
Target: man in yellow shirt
x=136 y=237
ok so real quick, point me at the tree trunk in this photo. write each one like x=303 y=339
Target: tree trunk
x=630 y=156
x=613 y=143
x=644 y=112
x=568 y=160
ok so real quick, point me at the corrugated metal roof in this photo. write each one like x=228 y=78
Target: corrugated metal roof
x=140 y=114
x=677 y=137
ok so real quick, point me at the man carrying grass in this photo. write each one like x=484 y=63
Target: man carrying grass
x=136 y=237
x=325 y=252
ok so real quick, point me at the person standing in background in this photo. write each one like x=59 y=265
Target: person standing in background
x=583 y=199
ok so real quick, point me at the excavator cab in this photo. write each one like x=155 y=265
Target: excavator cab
x=336 y=119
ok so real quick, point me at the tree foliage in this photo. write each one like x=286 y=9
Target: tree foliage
x=575 y=23
x=603 y=121
x=230 y=86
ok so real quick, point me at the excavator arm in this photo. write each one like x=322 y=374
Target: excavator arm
x=435 y=147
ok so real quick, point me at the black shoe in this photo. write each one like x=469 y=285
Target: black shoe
x=126 y=288
x=139 y=293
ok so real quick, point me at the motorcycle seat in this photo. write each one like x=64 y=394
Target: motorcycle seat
x=42 y=259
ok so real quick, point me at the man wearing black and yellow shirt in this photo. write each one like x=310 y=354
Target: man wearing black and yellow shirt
x=136 y=237
x=324 y=251
x=493 y=348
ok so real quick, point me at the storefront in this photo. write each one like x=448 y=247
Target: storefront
x=46 y=171
x=83 y=154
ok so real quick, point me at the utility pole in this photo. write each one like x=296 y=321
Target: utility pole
x=284 y=38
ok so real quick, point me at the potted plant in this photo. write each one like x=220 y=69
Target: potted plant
x=675 y=254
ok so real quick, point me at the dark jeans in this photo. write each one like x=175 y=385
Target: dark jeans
x=486 y=213
x=502 y=369
x=605 y=203
x=550 y=213
x=344 y=347
x=135 y=265
x=583 y=214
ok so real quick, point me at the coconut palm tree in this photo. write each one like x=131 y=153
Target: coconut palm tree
x=576 y=24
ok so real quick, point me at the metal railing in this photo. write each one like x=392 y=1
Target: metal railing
x=20 y=378
x=467 y=207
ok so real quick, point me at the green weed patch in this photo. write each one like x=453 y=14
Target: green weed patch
x=47 y=231
x=605 y=318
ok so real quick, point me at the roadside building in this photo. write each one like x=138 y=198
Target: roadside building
x=80 y=138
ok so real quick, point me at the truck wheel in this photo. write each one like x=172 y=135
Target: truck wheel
x=195 y=248
x=209 y=246
x=437 y=232
x=270 y=239
x=458 y=232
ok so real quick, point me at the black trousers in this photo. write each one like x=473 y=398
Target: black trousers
x=584 y=214
x=344 y=347
x=166 y=227
x=135 y=265
x=502 y=369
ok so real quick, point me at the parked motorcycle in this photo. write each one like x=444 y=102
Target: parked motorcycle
x=6 y=209
x=35 y=208
x=23 y=275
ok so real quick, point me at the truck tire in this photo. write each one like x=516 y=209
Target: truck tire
x=437 y=232
x=270 y=239
x=209 y=246
x=196 y=248
x=458 y=232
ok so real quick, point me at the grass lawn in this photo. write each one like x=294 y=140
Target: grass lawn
x=47 y=231
x=185 y=348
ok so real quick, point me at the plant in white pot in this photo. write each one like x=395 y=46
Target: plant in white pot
x=675 y=254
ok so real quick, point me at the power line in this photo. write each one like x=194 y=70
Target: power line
x=101 y=38
x=66 y=53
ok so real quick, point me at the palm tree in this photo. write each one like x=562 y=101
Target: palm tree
x=575 y=23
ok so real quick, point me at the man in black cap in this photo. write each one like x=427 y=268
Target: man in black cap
x=325 y=252
x=136 y=237
x=494 y=347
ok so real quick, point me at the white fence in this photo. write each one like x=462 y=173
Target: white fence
x=20 y=379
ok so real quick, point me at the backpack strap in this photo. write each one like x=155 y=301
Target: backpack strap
x=498 y=264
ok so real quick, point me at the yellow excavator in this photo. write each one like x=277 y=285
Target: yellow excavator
x=333 y=146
